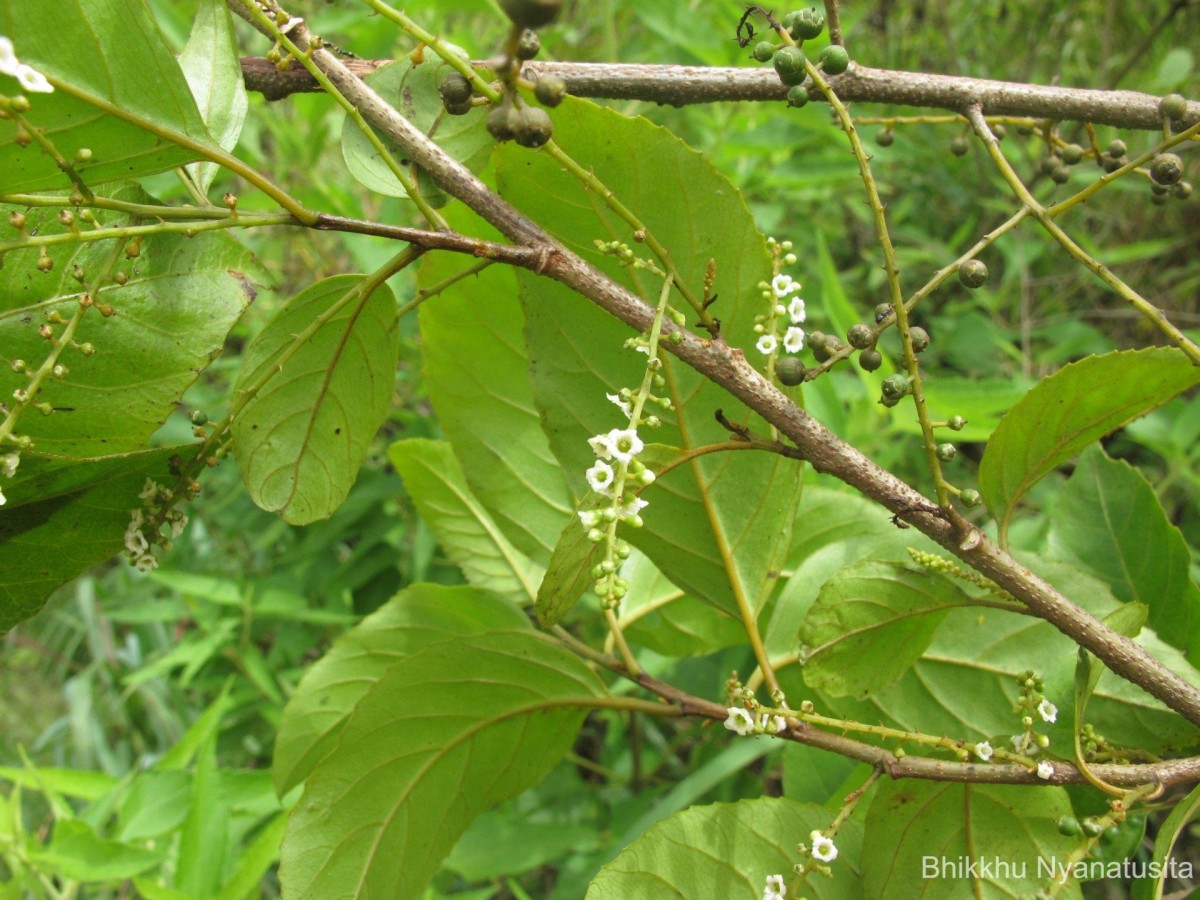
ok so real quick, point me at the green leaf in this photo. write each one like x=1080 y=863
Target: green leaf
x=81 y=783
x=1162 y=861
x=728 y=850
x=204 y=837
x=255 y=861
x=717 y=523
x=62 y=517
x=77 y=853
x=118 y=92
x=420 y=615
x=923 y=833
x=465 y=530
x=413 y=90
x=1110 y=520
x=214 y=74
x=168 y=322
x=1067 y=411
x=157 y=803
x=327 y=359
x=442 y=736
x=569 y=573
x=871 y=622
x=477 y=374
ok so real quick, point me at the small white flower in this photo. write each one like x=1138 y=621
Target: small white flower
x=624 y=444
x=589 y=517
x=3 y=499
x=1022 y=743
x=983 y=750
x=797 y=311
x=622 y=404
x=1044 y=769
x=631 y=509
x=772 y=724
x=767 y=344
x=1047 y=710
x=8 y=57
x=149 y=490
x=600 y=477
x=822 y=847
x=739 y=720
x=774 y=889
x=599 y=445
x=33 y=80
x=178 y=522
x=146 y=562
x=9 y=463
x=783 y=285
x=793 y=340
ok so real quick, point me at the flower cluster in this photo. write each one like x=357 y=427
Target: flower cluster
x=145 y=525
x=779 y=295
x=28 y=77
x=1032 y=701
x=8 y=468
x=740 y=721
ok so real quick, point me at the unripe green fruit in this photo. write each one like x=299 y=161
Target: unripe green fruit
x=1112 y=163
x=1166 y=168
x=999 y=131
x=920 y=338
x=1116 y=148
x=885 y=138
x=959 y=146
x=1156 y=188
x=895 y=385
x=533 y=127
x=870 y=360
x=834 y=60
x=1159 y=199
x=763 y=51
x=1060 y=174
x=797 y=96
x=531 y=13
x=815 y=340
x=882 y=311
x=1182 y=190
x=970 y=498
x=459 y=109
x=454 y=88
x=889 y=402
x=1067 y=825
x=808 y=24
x=1172 y=106
x=529 y=45
x=1050 y=163
x=502 y=122
x=946 y=452
x=199 y=417
x=957 y=423
x=1091 y=826
x=1110 y=835
x=1072 y=154
x=550 y=90
x=789 y=65
x=790 y=371
x=860 y=336
x=973 y=273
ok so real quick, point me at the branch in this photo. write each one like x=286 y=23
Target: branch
x=727 y=367
x=683 y=85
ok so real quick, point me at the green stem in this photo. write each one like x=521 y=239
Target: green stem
x=433 y=290
x=188 y=228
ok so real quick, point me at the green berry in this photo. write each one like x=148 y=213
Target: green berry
x=1112 y=163
x=459 y=109
x=946 y=452
x=1182 y=190
x=815 y=339
x=454 y=89
x=834 y=60
x=860 y=336
x=529 y=45
x=790 y=371
x=889 y=402
x=1072 y=154
x=531 y=13
x=199 y=417
x=973 y=273
x=999 y=131
x=1159 y=199
x=502 y=122
x=920 y=339
x=957 y=423
x=1166 y=168
x=882 y=311
x=959 y=146
x=550 y=90
x=797 y=96
x=1116 y=148
x=763 y=51
x=870 y=360
x=1067 y=825
x=885 y=138
x=532 y=127
x=789 y=65
x=970 y=498
x=896 y=385
x=1060 y=174
x=1172 y=106
x=1092 y=827
x=808 y=24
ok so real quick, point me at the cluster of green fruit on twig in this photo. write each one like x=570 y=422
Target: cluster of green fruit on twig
x=789 y=59
x=511 y=118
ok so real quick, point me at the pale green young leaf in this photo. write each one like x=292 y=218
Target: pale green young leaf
x=440 y=737
x=914 y=825
x=870 y=623
x=1110 y=520
x=717 y=523
x=728 y=850
x=214 y=74
x=569 y=573
x=420 y=615
x=316 y=383
x=118 y=92
x=1068 y=410
x=434 y=480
